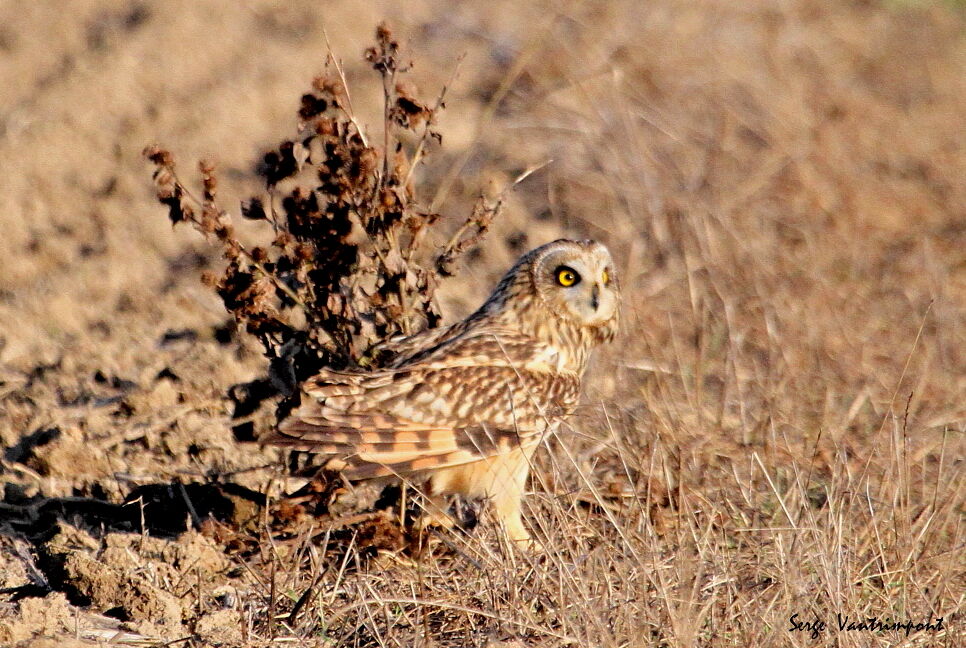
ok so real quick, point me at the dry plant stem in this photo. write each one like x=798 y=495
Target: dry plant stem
x=388 y=96
x=902 y=376
x=349 y=113
x=431 y=121
x=420 y=147
x=457 y=243
x=341 y=612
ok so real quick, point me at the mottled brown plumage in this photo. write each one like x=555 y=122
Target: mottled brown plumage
x=466 y=406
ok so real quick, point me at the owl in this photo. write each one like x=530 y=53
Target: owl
x=462 y=408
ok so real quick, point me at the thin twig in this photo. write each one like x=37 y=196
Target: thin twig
x=347 y=110
x=443 y=605
x=494 y=209
x=431 y=120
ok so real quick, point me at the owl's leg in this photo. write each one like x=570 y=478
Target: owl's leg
x=501 y=479
x=506 y=504
x=504 y=486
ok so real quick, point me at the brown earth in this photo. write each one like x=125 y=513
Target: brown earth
x=779 y=430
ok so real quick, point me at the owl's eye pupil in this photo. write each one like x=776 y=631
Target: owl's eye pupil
x=567 y=277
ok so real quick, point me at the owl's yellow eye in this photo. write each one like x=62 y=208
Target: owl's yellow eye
x=567 y=277
x=605 y=278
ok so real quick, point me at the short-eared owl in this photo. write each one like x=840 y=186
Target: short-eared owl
x=465 y=406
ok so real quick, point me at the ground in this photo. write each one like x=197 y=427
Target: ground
x=778 y=431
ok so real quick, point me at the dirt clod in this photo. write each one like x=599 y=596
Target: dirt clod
x=51 y=615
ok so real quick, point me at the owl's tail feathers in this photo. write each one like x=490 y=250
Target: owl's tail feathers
x=367 y=454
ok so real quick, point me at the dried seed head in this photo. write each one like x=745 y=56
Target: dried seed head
x=327 y=85
x=408 y=111
x=208 y=179
x=383 y=55
x=253 y=209
x=312 y=105
x=158 y=155
x=305 y=252
x=325 y=126
x=283 y=239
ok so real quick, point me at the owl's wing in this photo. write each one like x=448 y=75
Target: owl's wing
x=400 y=349
x=433 y=415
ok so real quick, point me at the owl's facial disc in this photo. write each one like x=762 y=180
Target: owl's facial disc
x=582 y=285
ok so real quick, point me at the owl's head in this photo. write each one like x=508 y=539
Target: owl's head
x=576 y=281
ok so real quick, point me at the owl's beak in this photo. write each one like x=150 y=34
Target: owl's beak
x=595 y=296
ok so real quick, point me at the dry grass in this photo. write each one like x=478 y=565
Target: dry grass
x=779 y=430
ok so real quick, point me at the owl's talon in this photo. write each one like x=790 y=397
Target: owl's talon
x=529 y=546
x=435 y=514
x=429 y=519
x=535 y=548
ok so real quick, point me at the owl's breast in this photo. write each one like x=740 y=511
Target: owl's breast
x=554 y=359
x=564 y=394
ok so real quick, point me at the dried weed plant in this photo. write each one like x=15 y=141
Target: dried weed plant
x=347 y=268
